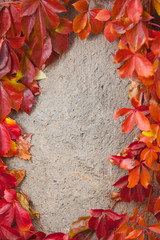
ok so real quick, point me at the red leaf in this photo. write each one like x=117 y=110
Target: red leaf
x=143 y=66
x=28 y=100
x=5 y=60
x=4 y=206
x=96 y=212
x=60 y=43
x=100 y=231
x=12 y=128
x=122 y=55
x=56 y=236
x=121 y=182
x=10 y=233
x=27 y=25
x=65 y=26
x=15 y=10
x=28 y=71
x=10 y=195
x=109 y=32
x=54 y=6
x=15 y=92
x=138 y=35
x=22 y=217
x=156 y=46
x=119 y=8
x=39 y=27
x=17 y=42
x=122 y=112
x=41 y=53
x=93 y=222
x=127 y=69
x=5 y=21
x=29 y=7
x=5 y=104
x=134 y=10
x=96 y=25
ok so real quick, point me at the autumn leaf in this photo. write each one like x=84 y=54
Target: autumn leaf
x=79 y=226
x=23 y=146
x=19 y=175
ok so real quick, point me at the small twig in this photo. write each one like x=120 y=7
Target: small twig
x=113 y=205
x=154 y=24
x=89 y=234
x=150 y=6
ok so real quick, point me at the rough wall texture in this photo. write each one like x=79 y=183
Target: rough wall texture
x=74 y=134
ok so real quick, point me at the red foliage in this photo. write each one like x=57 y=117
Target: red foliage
x=33 y=35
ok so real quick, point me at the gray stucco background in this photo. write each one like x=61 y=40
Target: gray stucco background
x=74 y=134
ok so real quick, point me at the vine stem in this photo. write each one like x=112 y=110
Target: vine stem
x=150 y=6
x=88 y=235
x=149 y=198
x=113 y=205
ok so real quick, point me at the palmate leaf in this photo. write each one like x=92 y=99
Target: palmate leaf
x=135 y=115
x=82 y=24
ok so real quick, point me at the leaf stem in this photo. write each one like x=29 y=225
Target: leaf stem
x=149 y=198
x=88 y=235
x=113 y=205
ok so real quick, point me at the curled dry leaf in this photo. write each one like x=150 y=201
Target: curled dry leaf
x=79 y=226
x=23 y=146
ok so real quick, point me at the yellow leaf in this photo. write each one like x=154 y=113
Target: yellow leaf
x=148 y=134
x=39 y=75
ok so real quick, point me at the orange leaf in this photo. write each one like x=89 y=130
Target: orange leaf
x=122 y=112
x=145 y=177
x=142 y=122
x=128 y=124
x=155 y=228
x=85 y=32
x=23 y=146
x=19 y=175
x=80 y=22
x=134 y=234
x=155 y=112
x=157 y=206
x=134 y=177
x=109 y=33
x=103 y=15
x=127 y=69
x=81 y=6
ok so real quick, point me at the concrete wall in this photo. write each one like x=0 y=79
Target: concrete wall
x=74 y=134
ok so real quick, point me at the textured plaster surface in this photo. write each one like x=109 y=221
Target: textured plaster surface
x=74 y=134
